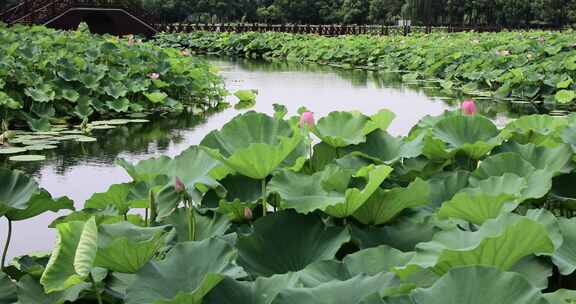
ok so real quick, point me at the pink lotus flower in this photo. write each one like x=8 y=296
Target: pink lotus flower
x=185 y=52
x=307 y=119
x=130 y=40
x=469 y=107
x=248 y=214
x=179 y=185
x=153 y=76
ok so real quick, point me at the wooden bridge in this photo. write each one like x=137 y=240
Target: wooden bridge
x=102 y=16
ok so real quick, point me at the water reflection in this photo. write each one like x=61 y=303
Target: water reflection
x=79 y=170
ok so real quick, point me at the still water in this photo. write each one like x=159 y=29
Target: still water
x=79 y=170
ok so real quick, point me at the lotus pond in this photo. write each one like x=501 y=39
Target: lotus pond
x=531 y=66
x=406 y=200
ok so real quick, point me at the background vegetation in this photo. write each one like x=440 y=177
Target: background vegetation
x=431 y=12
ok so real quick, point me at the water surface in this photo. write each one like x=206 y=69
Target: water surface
x=79 y=170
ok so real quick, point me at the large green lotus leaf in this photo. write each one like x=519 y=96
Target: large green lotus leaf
x=253 y=144
x=473 y=135
x=193 y=167
x=479 y=285
x=323 y=155
x=536 y=270
x=16 y=190
x=498 y=243
x=240 y=190
x=562 y=296
x=341 y=129
x=382 y=147
x=73 y=256
x=321 y=272
x=355 y=198
x=187 y=273
x=445 y=185
x=535 y=185
x=327 y=190
x=500 y=164
x=536 y=129
x=380 y=120
x=349 y=291
x=385 y=205
x=31 y=292
x=306 y=193
x=116 y=196
x=146 y=170
x=39 y=203
x=403 y=234
x=375 y=260
x=477 y=207
x=8 y=293
x=287 y=241
x=31 y=264
x=568 y=136
x=554 y=159
x=124 y=247
x=207 y=225
x=261 y=291
x=565 y=257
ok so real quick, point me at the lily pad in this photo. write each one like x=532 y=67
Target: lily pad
x=27 y=158
x=12 y=150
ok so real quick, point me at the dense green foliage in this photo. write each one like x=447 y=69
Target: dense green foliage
x=433 y=12
x=49 y=76
x=537 y=66
x=273 y=210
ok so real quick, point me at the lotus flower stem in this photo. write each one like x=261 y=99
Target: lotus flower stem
x=152 y=209
x=264 y=204
x=191 y=222
x=7 y=244
x=95 y=288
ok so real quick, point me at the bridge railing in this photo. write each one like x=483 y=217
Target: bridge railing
x=324 y=30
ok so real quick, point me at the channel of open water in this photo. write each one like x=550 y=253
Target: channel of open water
x=78 y=170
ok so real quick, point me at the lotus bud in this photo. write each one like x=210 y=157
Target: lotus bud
x=185 y=53
x=179 y=185
x=469 y=107
x=248 y=214
x=307 y=119
x=130 y=40
x=153 y=76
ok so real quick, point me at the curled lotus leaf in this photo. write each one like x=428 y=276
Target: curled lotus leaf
x=499 y=243
x=341 y=129
x=327 y=190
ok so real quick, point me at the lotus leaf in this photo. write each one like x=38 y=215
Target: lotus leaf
x=31 y=292
x=272 y=249
x=327 y=190
x=8 y=293
x=252 y=144
x=471 y=283
x=187 y=273
x=16 y=190
x=350 y=291
x=477 y=208
x=341 y=129
x=261 y=291
x=508 y=238
x=384 y=205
